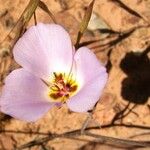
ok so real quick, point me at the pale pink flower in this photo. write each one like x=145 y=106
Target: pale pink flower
x=52 y=73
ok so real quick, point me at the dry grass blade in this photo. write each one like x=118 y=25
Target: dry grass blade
x=84 y=23
x=43 y=6
x=22 y=22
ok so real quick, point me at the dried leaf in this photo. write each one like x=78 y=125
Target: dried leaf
x=13 y=36
x=43 y=6
x=86 y=19
x=28 y=12
x=84 y=23
x=21 y=24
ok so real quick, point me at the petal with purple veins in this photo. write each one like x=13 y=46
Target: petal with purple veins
x=43 y=49
x=92 y=76
x=87 y=66
x=88 y=95
x=24 y=96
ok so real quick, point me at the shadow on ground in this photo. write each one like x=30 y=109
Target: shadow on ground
x=136 y=87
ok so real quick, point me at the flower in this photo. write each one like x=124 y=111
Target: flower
x=52 y=73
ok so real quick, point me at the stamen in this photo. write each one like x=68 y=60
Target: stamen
x=63 y=87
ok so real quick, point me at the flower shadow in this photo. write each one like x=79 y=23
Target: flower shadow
x=136 y=86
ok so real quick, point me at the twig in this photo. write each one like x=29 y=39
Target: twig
x=130 y=10
x=140 y=134
x=86 y=122
x=99 y=138
x=24 y=132
x=117 y=116
x=87 y=129
x=111 y=140
x=88 y=119
x=35 y=20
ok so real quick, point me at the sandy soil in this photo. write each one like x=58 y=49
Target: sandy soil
x=122 y=33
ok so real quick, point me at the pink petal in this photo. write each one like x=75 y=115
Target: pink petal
x=24 y=96
x=93 y=77
x=43 y=49
x=87 y=65
x=87 y=97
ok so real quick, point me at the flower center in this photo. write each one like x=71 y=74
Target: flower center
x=62 y=87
